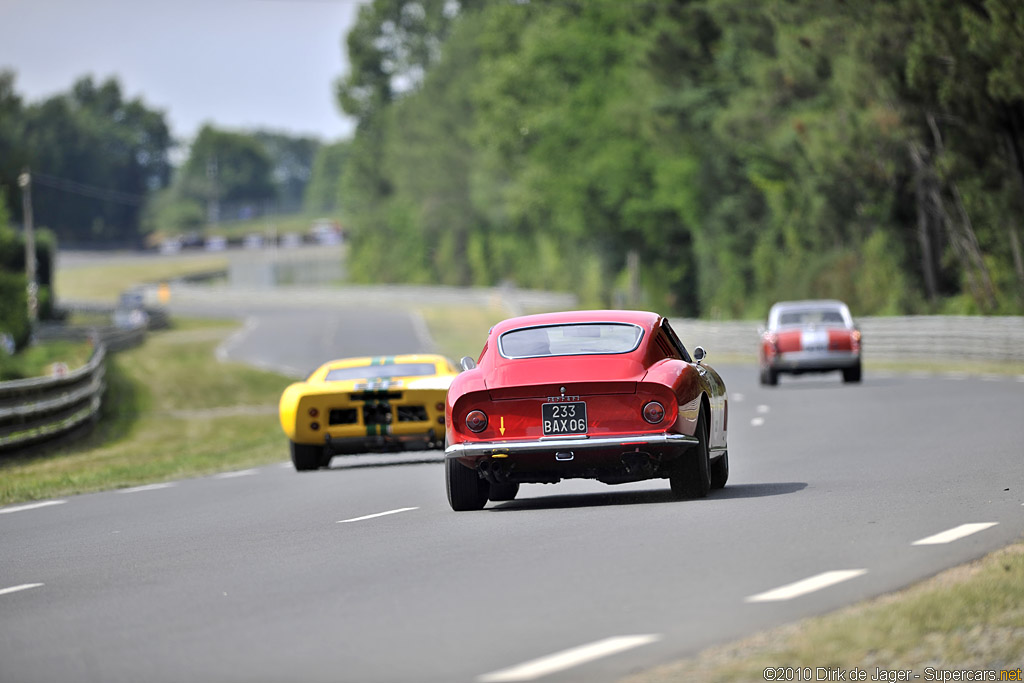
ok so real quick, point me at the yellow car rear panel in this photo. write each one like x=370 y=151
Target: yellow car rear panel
x=377 y=403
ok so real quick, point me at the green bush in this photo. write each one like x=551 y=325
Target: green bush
x=14 y=307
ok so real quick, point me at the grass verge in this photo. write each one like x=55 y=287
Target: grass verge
x=460 y=331
x=35 y=361
x=171 y=411
x=969 y=618
x=104 y=282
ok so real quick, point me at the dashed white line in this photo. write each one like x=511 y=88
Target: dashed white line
x=762 y=409
x=808 y=585
x=379 y=514
x=22 y=587
x=955 y=534
x=738 y=397
x=232 y=475
x=224 y=349
x=567 y=659
x=31 y=506
x=147 y=487
x=1020 y=378
x=757 y=422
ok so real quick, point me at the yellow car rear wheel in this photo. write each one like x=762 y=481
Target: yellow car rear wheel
x=306 y=457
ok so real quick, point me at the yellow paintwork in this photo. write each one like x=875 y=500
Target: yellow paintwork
x=315 y=392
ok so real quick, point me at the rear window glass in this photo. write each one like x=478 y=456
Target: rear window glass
x=380 y=371
x=812 y=316
x=570 y=340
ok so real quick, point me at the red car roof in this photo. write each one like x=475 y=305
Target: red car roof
x=644 y=319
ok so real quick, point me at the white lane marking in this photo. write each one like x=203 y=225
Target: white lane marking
x=1020 y=378
x=956 y=375
x=808 y=585
x=31 y=506
x=379 y=514
x=232 y=475
x=147 y=487
x=567 y=659
x=738 y=397
x=763 y=409
x=757 y=422
x=22 y=587
x=419 y=326
x=991 y=378
x=955 y=534
x=224 y=349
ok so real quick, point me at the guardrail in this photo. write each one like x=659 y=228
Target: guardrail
x=41 y=408
x=995 y=339
x=32 y=410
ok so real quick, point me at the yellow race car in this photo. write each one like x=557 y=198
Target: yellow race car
x=371 y=404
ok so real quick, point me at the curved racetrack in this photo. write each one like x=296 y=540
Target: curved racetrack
x=362 y=573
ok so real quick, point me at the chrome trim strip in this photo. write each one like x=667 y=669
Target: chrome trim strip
x=485 y=448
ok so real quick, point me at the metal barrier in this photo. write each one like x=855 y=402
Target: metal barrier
x=41 y=408
x=997 y=339
x=32 y=410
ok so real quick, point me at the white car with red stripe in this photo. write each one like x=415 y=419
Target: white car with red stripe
x=810 y=336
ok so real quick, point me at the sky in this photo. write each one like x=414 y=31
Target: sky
x=237 y=64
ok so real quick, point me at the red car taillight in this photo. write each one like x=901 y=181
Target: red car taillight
x=654 y=412
x=855 y=340
x=476 y=421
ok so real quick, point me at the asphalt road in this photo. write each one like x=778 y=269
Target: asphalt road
x=272 y=575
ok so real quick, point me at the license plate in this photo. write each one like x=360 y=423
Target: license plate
x=564 y=418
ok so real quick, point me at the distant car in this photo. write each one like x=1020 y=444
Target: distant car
x=371 y=404
x=252 y=241
x=326 y=232
x=606 y=395
x=809 y=336
x=290 y=240
x=216 y=243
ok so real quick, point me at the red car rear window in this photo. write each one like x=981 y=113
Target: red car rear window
x=570 y=340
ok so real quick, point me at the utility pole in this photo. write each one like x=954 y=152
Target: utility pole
x=25 y=182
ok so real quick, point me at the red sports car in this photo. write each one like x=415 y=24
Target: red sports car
x=606 y=395
x=809 y=336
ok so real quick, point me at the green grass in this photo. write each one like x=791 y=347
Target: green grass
x=106 y=282
x=970 y=617
x=461 y=330
x=36 y=360
x=171 y=411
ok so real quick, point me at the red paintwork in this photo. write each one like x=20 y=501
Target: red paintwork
x=615 y=387
x=787 y=341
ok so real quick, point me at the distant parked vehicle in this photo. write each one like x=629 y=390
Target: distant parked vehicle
x=171 y=245
x=809 y=336
x=326 y=232
x=216 y=243
x=253 y=241
x=290 y=240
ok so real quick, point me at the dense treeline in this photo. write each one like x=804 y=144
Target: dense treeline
x=94 y=157
x=102 y=175
x=706 y=157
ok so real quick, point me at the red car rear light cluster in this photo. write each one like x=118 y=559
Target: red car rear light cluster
x=654 y=412
x=476 y=421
